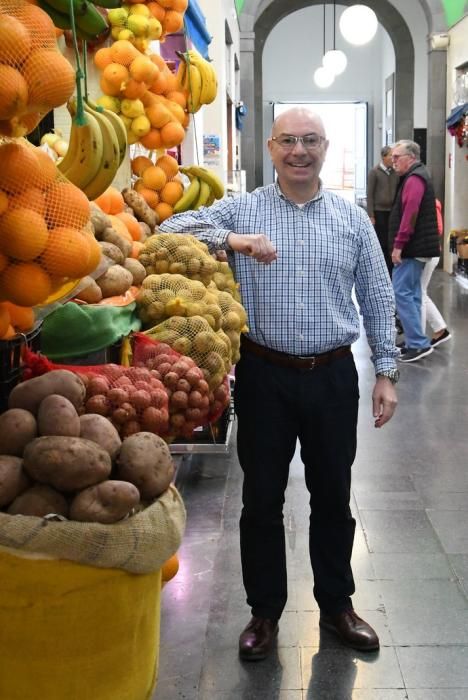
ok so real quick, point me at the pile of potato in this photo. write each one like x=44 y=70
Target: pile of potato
x=123 y=270
x=56 y=461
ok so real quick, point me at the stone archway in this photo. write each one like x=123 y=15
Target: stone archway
x=257 y=21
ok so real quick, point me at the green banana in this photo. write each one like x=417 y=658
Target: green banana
x=92 y=24
x=80 y=7
x=110 y=158
x=85 y=151
x=209 y=177
x=205 y=191
x=60 y=20
x=190 y=195
x=107 y=4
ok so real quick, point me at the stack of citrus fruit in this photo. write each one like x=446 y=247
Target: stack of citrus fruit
x=158 y=183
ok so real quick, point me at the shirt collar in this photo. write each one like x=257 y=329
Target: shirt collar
x=317 y=195
x=384 y=168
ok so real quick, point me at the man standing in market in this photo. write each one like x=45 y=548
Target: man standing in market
x=298 y=251
x=382 y=183
x=413 y=241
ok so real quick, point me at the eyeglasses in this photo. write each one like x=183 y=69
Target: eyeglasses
x=401 y=155
x=310 y=141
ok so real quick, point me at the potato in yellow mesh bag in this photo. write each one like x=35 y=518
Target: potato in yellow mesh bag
x=178 y=253
x=44 y=240
x=233 y=321
x=223 y=279
x=166 y=295
x=194 y=337
x=34 y=75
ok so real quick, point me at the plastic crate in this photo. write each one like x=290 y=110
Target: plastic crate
x=11 y=360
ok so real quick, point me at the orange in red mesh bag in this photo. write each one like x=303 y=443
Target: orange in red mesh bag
x=34 y=75
x=45 y=243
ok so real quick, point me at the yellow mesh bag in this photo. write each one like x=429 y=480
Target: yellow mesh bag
x=209 y=349
x=180 y=254
x=34 y=75
x=223 y=279
x=166 y=295
x=233 y=321
x=46 y=245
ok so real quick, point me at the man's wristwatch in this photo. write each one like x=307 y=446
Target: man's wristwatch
x=392 y=374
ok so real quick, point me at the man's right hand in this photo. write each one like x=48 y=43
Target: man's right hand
x=255 y=245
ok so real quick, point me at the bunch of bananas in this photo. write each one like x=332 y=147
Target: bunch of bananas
x=205 y=187
x=97 y=147
x=89 y=22
x=197 y=76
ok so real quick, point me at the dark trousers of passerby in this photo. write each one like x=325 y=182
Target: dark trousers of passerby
x=276 y=406
x=381 y=229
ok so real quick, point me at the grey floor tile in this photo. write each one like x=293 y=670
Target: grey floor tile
x=411 y=531
x=445 y=500
x=412 y=566
x=403 y=594
x=382 y=483
x=375 y=694
x=428 y=626
x=441 y=694
x=179 y=687
x=389 y=500
x=434 y=667
x=224 y=672
x=339 y=671
x=459 y=563
x=452 y=529
x=247 y=694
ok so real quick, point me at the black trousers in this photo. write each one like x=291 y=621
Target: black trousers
x=381 y=229
x=276 y=406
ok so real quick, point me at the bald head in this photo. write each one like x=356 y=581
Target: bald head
x=298 y=118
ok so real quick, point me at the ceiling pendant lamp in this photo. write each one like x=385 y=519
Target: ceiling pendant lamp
x=358 y=24
x=335 y=60
x=323 y=77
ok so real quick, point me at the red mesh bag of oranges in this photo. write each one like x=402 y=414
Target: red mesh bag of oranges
x=34 y=75
x=46 y=245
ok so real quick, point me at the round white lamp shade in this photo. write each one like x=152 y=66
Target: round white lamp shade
x=335 y=61
x=323 y=77
x=358 y=24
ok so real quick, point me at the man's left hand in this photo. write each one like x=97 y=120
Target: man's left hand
x=384 y=401
x=396 y=256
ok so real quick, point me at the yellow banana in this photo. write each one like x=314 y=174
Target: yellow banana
x=211 y=199
x=205 y=191
x=209 y=177
x=120 y=131
x=208 y=75
x=86 y=151
x=181 y=74
x=194 y=86
x=119 y=127
x=110 y=158
x=190 y=195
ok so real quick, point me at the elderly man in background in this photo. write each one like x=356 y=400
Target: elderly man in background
x=382 y=183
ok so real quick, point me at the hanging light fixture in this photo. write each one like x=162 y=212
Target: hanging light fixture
x=335 y=60
x=323 y=77
x=358 y=24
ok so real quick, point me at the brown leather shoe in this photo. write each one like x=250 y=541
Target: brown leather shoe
x=256 y=641
x=351 y=629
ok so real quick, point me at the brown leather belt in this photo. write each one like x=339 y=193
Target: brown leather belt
x=296 y=361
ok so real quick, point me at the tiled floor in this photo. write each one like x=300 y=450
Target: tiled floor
x=410 y=499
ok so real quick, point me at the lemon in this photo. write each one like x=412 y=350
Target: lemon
x=127 y=121
x=131 y=138
x=140 y=9
x=141 y=126
x=126 y=35
x=117 y=16
x=138 y=25
x=110 y=103
x=154 y=28
x=132 y=108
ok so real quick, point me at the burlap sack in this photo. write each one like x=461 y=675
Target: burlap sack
x=140 y=544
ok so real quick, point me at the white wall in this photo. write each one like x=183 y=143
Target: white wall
x=456 y=177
